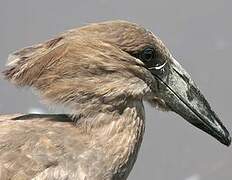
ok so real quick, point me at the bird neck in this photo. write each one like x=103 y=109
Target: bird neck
x=119 y=135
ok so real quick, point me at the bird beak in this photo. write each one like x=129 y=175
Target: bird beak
x=182 y=96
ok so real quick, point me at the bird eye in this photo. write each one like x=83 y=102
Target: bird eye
x=147 y=54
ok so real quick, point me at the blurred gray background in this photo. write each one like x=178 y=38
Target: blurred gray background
x=198 y=33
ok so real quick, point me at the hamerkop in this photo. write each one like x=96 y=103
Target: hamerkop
x=101 y=73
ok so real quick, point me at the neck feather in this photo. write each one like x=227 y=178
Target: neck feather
x=119 y=135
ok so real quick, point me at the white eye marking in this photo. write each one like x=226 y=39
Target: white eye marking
x=158 y=67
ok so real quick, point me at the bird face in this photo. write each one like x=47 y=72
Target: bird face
x=173 y=89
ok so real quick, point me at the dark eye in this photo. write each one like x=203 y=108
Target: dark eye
x=147 y=54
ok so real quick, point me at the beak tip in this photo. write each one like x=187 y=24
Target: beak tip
x=228 y=141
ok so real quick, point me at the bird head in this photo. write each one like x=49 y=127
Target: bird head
x=99 y=66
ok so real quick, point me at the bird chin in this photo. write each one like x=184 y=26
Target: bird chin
x=158 y=104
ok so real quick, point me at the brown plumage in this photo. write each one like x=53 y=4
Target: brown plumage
x=102 y=73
